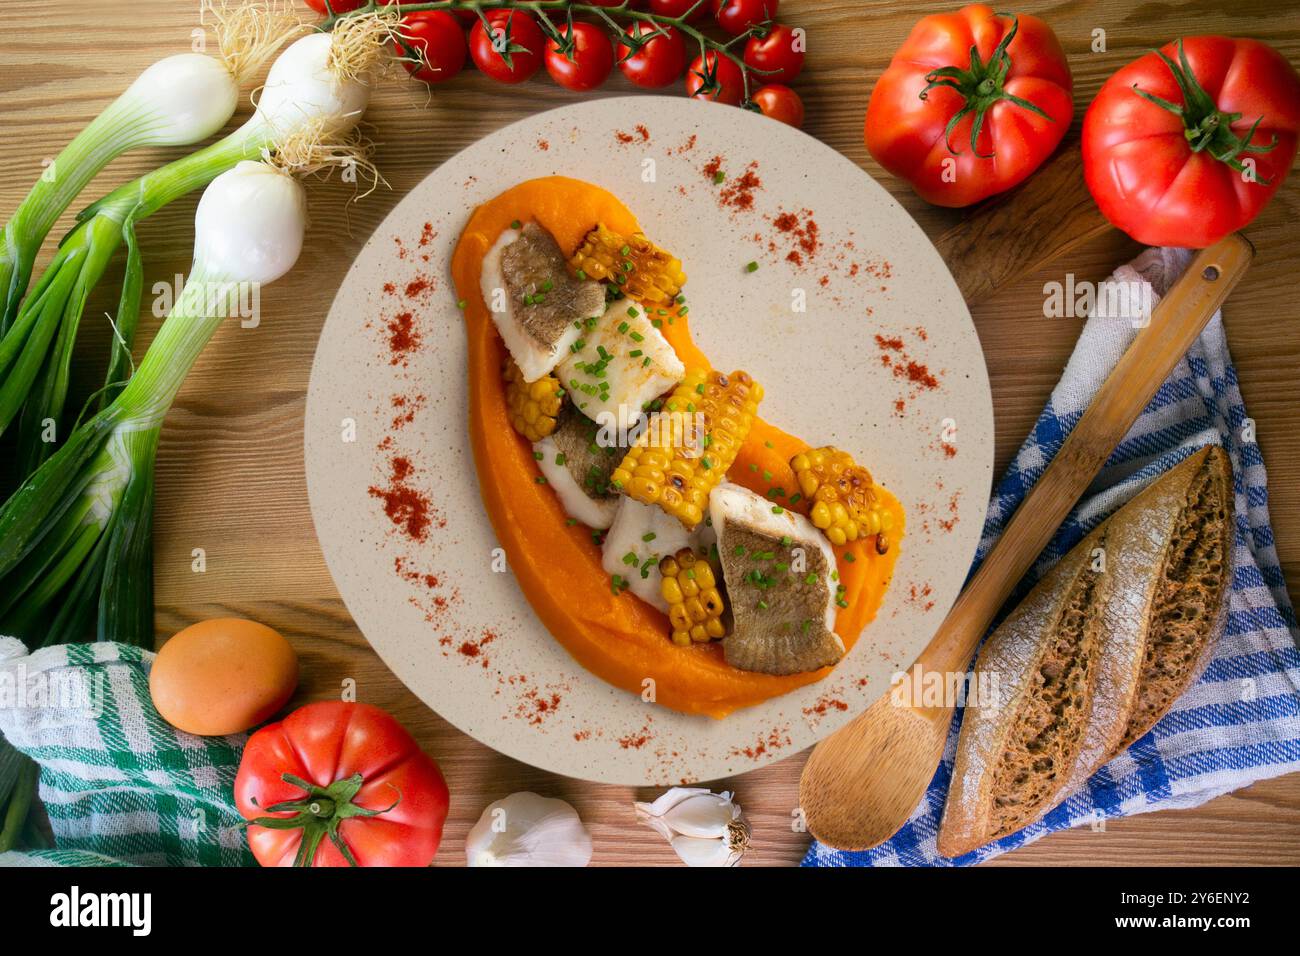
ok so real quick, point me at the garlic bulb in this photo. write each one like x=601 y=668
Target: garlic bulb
x=525 y=829
x=703 y=828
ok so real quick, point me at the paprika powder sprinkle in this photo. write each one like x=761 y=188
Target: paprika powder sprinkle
x=406 y=507
x=403 y=338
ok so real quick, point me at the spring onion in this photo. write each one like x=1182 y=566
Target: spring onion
x=175 y=102
x=317 y=86
x=78 y=529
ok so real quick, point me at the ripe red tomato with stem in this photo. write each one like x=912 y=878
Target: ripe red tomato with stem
x=780 y=103
x=431 y=44
x=657 y=61
x=970 y=105
x=340 y=784
x=776 y=55
x=737 y=16
x=715 y=77
x=1190 y=142
x=583 y=57
x=697 y=9
x=511 y=46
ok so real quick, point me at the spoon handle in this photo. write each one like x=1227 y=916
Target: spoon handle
x=1175 y=324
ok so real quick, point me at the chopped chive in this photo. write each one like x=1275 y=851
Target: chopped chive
x=648 y=537
x=751 y=266
x=810 y=578
x=848 y=556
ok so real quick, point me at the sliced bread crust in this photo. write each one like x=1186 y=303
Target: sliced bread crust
x=1013 y=752
x=1144 y=627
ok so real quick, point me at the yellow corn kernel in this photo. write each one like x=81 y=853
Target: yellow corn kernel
x=532 y=406
x=691 y=443
x=633 y=263
x=842 y=495
x=695 y=604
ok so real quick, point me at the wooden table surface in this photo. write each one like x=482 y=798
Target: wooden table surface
x=230 y=473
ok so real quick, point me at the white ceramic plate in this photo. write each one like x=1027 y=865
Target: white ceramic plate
x=519 y=692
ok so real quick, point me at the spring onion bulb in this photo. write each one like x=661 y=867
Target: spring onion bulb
x=74 y=538
x=177 y=101
x=317 y=88
x=76 y=554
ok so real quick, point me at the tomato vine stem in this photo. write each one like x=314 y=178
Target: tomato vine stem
x=540 y=7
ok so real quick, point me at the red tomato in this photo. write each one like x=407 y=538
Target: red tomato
x=1188 y=178
x=777 y=56
x=432 y=45
x=589 y=61
x=737 y=16
x=780 y=103
x=716 y=78
x=340 y=6
x=660 y=60
x=363 y=790
x=962 y=131
x=513 y=49
x=678 y=8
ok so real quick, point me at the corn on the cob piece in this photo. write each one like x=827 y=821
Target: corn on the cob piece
x=841 y=493
x=690 y=443
x=695 y=604
x=633 y=263
x=532 y=406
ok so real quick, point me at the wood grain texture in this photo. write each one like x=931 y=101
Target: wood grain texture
x=230 y=471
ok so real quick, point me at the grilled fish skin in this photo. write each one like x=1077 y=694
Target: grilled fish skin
x=777 y=568
x=537 y=307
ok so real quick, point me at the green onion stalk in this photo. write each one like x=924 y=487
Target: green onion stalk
x=176 y=101
x=309 y=86
x=75 y=550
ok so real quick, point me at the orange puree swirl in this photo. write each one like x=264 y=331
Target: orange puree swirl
x=619 y=638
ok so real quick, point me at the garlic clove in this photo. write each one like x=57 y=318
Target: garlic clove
x=705 y=815
x=667 y=800
x=696 y=852
x=703 y=828
x=525 y=829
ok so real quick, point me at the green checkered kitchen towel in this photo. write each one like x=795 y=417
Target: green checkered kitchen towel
x=117 y=780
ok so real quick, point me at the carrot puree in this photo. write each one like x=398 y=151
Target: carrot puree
x=617 y=637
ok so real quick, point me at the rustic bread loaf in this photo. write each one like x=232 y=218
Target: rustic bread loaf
x=1095 y=654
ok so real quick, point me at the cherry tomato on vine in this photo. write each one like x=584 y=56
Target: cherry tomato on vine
x=340 y=6
x=780 y=103
x=659 y=61
x=777 y=56
x=678 y=8
x=432 y=45
x=513 y=49
x=737 y=16
x=587 y=63
x=716 y=78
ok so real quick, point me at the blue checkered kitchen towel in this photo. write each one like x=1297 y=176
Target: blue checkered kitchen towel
x=1241 y=721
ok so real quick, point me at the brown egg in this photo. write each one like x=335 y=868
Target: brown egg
x=222 y=676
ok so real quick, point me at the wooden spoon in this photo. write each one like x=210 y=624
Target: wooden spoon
x=863 y=782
